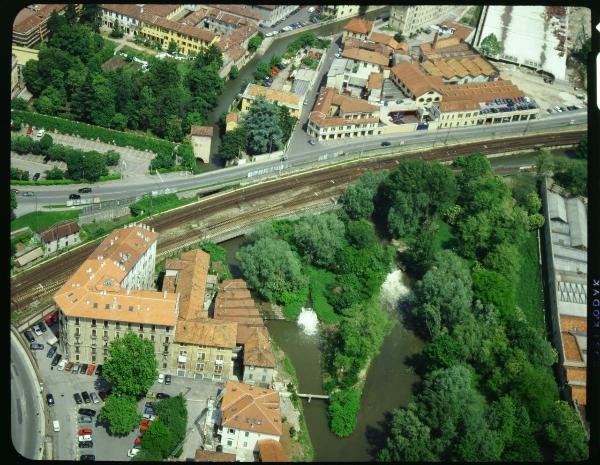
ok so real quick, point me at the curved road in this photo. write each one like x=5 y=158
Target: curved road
x=299 y=153
x=27 y=408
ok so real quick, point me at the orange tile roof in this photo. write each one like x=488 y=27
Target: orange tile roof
x=251 y=408
x=460 y=105
x=160 y=9
x=195 y=17
x=252 y=90
x=484 y=65
x=190 y=283
x=207 y=333
x=359 y=54
x=570 y=323
x=189 y=31
x=206 y=131
x=375 y=81
x=240 y=10
x=258 y=350
x=579 y=393
x=459 y=70
x=329 y=101
x=270 y=450
x=385 y=39
x=210 y=456
x=576 y=374
x=571 y=348
x=383 y=49
x=59 y=230
x=359 y=26
x=461 y=31
x=414 y=79
x=245 y=330
x=234 y=303
x=26 y=19
x=232 y=117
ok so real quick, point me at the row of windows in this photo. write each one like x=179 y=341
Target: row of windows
x=117 y=324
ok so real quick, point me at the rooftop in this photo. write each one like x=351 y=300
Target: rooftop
x=33 y=16
x=240 y=10
x=417 y=82
x=207 y=333
x=251 y=408
x=206 y=131
x=359 y=26
x=258 y=350
x=58 y=231
x=331 y=108
x=359 y=54
x=270 y=450
x=287 y=98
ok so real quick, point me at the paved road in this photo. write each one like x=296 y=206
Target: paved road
x=27 y=408
x=299 y=154
x=299 y=16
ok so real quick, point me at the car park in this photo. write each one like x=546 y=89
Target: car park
x=36 y=346
x=86 y=445
x=74 y=196
x=51 y=352
x=83 y=368
x=84 y=419
x=86 y=397
x=94 y=398
x=56 y=359
x=78 y=399
x=36 y=330
x=61 y=366
x=571 y=108
x=162 y=395
x=85 y=437
x=87 y=411
x=563 y=109
x=50 y=400
x=29 y=336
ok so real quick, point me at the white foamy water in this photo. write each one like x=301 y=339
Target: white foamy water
x=393 y=290
x=308 y=321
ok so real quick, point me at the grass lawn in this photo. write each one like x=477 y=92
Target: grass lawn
x=529 y=292
x=43 y=219
x=319 y=280
x=444 y=234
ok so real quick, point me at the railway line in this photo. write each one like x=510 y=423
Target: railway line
x=40 y=282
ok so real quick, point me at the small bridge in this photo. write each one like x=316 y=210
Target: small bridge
x=313 y=396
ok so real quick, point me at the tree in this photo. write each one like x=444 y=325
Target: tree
x=524 y=337
x=158 y=440
x=120 y=412
x=420 y=256
x=55 y=22
x=581 y=151
x=91 y=14
x=255 y=42
x=262 y=126
x=173 y=414
x=262 y=71
x=55 y=173
x=234 y=72
x=490 y=45
x=286 y=122
x=566 y=435
x=492 y=288
x=582 y=53
x=22 y=144
x=361 y=234
x=319 y=238
x=527 y=386
x=19 y=103
x=342 y=412
x=45 y=143
x=357 y=201
x=131 y=365
x=233 y=143
x=572 y=175
x=51 y=101
x=504 y=258
x=271 y=268
x=102 y=106
x=172 y=47
x=209 y=56
x=398 y=37
x=408 y=439
x=13 y=200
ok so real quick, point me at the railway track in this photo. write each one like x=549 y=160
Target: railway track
x=44 y=280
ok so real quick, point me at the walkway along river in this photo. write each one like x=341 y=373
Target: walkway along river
x=388 y=385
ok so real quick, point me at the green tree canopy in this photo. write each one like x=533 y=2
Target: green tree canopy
x=320 y=238
x=566 y=435
x=121 y=413
x=13 y=200
x=262 y=126
x=492 y=288
x=342 y=411
x=357 y=199
x=572 y=175
x=490 y=45
x=233 y=143
x=131 y=366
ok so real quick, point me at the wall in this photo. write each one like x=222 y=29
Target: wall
x=211 y=354
x=103 y=215
x=254 y=375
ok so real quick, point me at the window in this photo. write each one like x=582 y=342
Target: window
x=152 y=337
x=77 y=332
x=93 y=350
x=76 y=349
x=77 y=357
x=93 y=333
x=182 y=353
x=250 y=376
x=128 y=325
x=105 y=352
x=106 y=322
x=117 y=335
x=93 y=323
x=167 y=340
x=106 y=307
x=218 y=368
x=95 y=305
x=229 y=443
x=117 y=324
x=219 y=357
x=106 y=334
x=201 y=356
x=77 y=321
x=231 y=431
x=153 y=328
x=165 y=365
x=199 y=366
x=245 y=444
x=181 y=365
x=141 y=327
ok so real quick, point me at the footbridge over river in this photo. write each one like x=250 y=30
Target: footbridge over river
x=313 y=396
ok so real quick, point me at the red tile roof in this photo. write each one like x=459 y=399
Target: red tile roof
x=359 y=26
x=359 y=54
x=206 y=131
x=417 y=82
x=270 y=450
x=27 y=19
x=58 y=231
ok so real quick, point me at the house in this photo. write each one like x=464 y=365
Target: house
x=231 y=121
x=337 y=116
x=271 y=451
x=374 y=88
x=259 y=360
x=339 y=11
x=201 y=141
x=366 y=59
x=30 y=24
x=416 y=84
x=286 y=99
x=248 y=414
x=59 y=236
x=357 y=28
x=271 y=14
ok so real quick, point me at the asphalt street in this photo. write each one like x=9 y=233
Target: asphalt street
x=299 y=154
x=27 y=409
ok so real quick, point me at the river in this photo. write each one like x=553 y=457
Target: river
x=388 y=385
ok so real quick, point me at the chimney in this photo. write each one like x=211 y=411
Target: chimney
x=435 y=38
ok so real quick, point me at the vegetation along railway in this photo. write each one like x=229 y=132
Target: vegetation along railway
x=40 y=283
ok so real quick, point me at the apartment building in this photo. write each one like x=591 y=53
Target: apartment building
x=339 y=11
x=566 y=241
x=30 y=24
x=127 y=16
x=365 y=58
x=407 y=19
x=338 y=116
x=248 y=414
x=259 y=360
x=271 y=14
x=107 y=297
x=357 y=28
x=286 y=99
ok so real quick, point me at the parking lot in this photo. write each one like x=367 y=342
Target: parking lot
x=63 y=385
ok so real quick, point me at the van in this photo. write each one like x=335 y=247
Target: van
x=56 y=425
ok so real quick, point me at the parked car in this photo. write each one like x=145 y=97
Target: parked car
x=161 y=378
x=312 y=142
x=56 y=359
x=61 y=366
x=29 y=131
x=75 y=369
x=74 y=196
x=138 y=441
x=83 y=419
x=87 y=411
x=85 y=190
x=149 y=416
x=69 y=366
x=162 y=395
x=77 y=398
x=29 y=336
x=87 y=457
x=83 y=368
x=36 y=330
x=86 y=445
x=94 y=398
x=90 y=370
x=36 y=346
x=149 y=411
x=42 y=326
x=144 y=426
x=167 y=379
x=52 y=351
x=36 y=176
x=50 y=400
x=84 y=431
x=86 y=397
x=99 y=370
x=41 y=132
x=56 y=425
x=385 y=143
x=311 y=9
x=85 y=437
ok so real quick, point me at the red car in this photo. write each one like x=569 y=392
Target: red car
x=90 y=370
x=52 y=317
x=137 y=441
x=84 y=431
x=29 y=131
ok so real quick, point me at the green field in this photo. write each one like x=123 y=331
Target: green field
x=41 y=220
x=529 y=292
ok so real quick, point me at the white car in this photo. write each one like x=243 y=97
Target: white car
x=161 y=378
x=268 y=34
x=311 y=9
x=37 y=330
x=94 y=397
x=337 y=55
x=149 y=416
x=41 y=132
x=133 y=452
x=61 y=365
x=56 y=425
x=85 y=437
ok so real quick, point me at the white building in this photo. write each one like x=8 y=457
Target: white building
x=271 y=14
x=248 y=414
x=59 y=236
x=201 y=141
x=407 y=19
x=339 y=11
x=126 y=15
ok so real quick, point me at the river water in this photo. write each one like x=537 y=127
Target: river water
x=388 y=385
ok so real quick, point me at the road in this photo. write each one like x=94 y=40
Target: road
x=299 y=153
x=27 y=408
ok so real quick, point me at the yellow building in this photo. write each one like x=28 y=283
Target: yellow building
x=287 y=99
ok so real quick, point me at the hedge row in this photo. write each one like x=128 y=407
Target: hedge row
x=42 y=182
x=88 y=131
